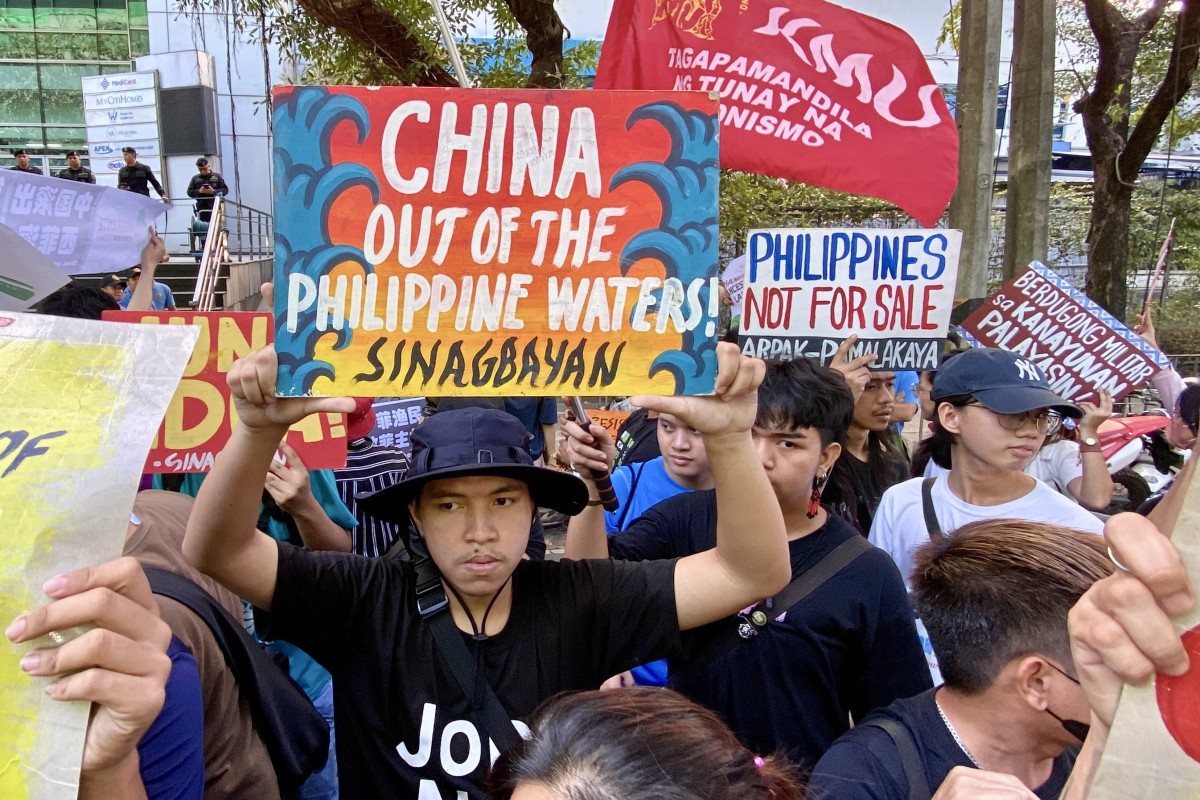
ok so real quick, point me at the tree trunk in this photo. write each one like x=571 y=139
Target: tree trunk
x=544 y=38
x=1108 y=239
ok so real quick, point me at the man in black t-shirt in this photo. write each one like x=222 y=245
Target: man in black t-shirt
x=846 y=649
x=994 y=597
x=405 y=727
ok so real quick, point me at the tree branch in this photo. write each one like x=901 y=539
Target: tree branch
x=380 y=32
x=1185 y=57
x=544 y=38
x=1108 y=26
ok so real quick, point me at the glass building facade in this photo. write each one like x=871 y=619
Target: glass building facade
x=46 y=48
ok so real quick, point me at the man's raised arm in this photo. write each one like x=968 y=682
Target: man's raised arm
x=750 y=561
x=221 y=539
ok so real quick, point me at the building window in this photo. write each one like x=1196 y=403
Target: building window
x=65 y=15
x=16 y=14
x=19 y=94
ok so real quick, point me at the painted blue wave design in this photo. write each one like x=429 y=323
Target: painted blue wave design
x=686 y=239
x=306 y=186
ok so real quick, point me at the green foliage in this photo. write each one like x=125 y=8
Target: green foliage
x=1176 y=321
x=758 y=201
x=499 y=63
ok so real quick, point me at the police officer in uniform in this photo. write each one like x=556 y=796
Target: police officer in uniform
x=206 y=185
x=75 y=170
x=137 y=177
x=23 y=163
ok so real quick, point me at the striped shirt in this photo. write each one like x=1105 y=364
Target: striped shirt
x=369 y=468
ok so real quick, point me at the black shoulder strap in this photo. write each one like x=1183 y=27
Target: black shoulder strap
x=433 y=606
x=633 y=484
x=931 y=520
x=729 y=636
x=834 y=562
x=914 y=770
x=294 y=732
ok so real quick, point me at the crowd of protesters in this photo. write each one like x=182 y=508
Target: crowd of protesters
x=775 y=609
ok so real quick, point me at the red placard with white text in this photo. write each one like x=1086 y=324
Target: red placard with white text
x=201 y=417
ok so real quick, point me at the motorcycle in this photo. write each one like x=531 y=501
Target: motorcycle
x=1139 y=458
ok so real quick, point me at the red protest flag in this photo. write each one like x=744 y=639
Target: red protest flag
x=809 y=91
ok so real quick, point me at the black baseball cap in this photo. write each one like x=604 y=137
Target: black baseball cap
x=114 y=280
x=1188 y=407
x=475 y=441
x=73 y=153
x=20 y=152
x=128 y=149
x=1002 y=381
x=200 y=162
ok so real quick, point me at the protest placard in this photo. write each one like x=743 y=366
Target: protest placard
x=1079 y=346
x=78 y=408
x=1153 y=750
x=26 y=276
x=82 y=229
x=201 y=416
x=808 y=290
x=495 y=242
x=395 y=420
x=611 y=421
x=734 y=278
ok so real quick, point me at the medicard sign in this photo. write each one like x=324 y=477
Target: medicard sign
x=495 y=242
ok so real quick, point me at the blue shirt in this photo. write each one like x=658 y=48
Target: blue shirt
x=171 y=752
x=906 y=391
x=654 y=485
x=161 y=299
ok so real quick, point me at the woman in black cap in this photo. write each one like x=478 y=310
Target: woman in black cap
x=994 y=412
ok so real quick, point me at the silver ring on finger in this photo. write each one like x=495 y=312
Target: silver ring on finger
x=1116 y=561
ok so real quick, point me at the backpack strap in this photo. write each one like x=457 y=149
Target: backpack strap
x=636 y=469
x=910 y=759
x=931 y=521
x=730 y=636
x=294 y=732
x=434 y=608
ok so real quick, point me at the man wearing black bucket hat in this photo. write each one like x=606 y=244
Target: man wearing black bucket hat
x=418 y=710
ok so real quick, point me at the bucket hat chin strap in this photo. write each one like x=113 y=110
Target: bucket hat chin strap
x=433 y=606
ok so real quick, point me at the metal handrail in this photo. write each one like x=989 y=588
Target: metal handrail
x=210 y=261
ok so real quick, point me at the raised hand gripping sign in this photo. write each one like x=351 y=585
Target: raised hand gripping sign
x=808 y=290
x=495 y=242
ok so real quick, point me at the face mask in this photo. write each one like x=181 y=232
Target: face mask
x=1076 y=728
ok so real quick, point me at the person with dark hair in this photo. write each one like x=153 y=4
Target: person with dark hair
x=75 y=170
x=79 y=302
x=1011 y=713
x=791 y=673
x=23 y=164
x=431 y=661
x=995 y=410
x=206 y=185
x=636 y=744
x=870 y=463
x=137 y=177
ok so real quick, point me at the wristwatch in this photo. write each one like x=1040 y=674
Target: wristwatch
x=1089 y=445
